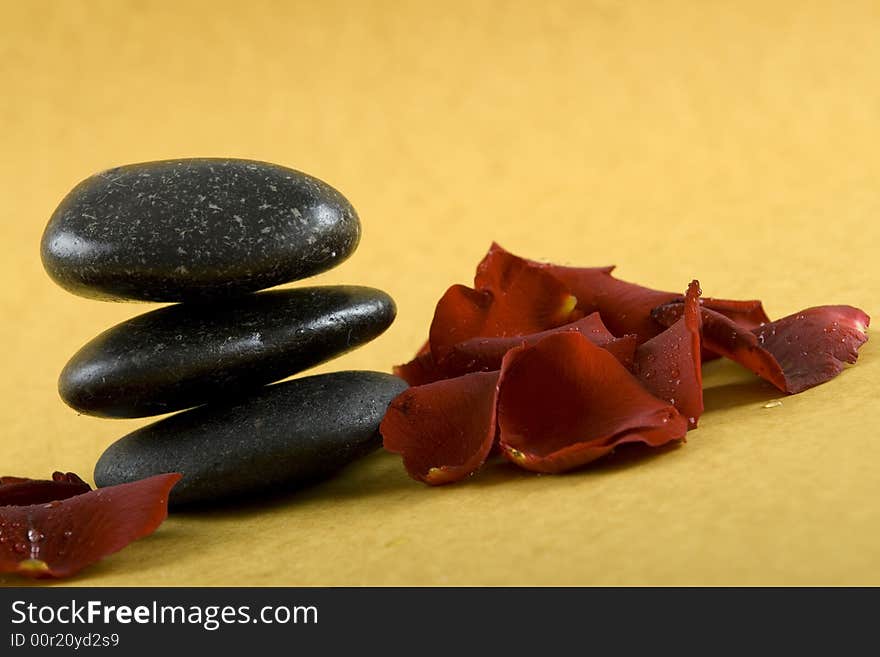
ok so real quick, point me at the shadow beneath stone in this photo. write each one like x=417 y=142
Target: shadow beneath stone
x=382 y=473
x=376 y=474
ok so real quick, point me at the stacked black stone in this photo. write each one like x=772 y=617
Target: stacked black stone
x=210 y=233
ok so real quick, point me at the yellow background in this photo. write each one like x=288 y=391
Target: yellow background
x=736 y=142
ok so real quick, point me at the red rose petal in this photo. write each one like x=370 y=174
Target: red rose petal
x=623 y=349
x=59 y=538
x=444 y=430
x=21 y=490
x=486 y=354
x=420 y=370
x=748 y=314
x=793 y=353
x=500 y=270
x=460 y=314
x=729 y=339
x=669 y=365
x=565 y=402
x=626 y=307
x=497 y=258
x=813 y=345
x=512 y=298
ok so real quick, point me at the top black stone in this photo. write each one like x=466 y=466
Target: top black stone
x=195 y=229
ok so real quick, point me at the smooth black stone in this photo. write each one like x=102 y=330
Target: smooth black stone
x=283 y=437
x=190 y=354
x=195 y=229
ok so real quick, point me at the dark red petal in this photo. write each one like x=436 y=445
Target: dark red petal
x=726 y=337
x=22 y=491
x=501 y=270
x=61 y=477
x=748 y=314
x=626 y=307
x=669 y=365
x=623 y=349
x=444 y=430
x=512 y=298
x=58 y=539
x=420 y=370
x=460 y=315
x=813 y=345
x=488 y=269
x=793 y=353
x=486 y=354
x=565 y=402
x=68 y=477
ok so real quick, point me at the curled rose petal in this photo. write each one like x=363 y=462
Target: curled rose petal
x=748 y=314
x=793 y=353
x=813 y=345
x=420 y=370
x=623 y=349
x=512 y=298
x=486 y=354
x=21 y=490
x=669 y=364
x=444 y=430
x=626 y=307
x=729 y=339
x=59 y=538
x=566 y=402
x=491 y=269
x=502 y=272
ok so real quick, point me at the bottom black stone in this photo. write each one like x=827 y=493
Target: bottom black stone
x=280 y=438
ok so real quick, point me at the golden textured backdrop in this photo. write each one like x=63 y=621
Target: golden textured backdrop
x=736 y=142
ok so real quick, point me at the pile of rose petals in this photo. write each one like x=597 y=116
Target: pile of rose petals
x=556 y=366
x=56 y=528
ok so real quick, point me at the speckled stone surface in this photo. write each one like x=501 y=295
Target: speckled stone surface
x=194 y=229
x=189 y=354
x=282 y=437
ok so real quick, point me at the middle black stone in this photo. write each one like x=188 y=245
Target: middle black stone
x=186 y=355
